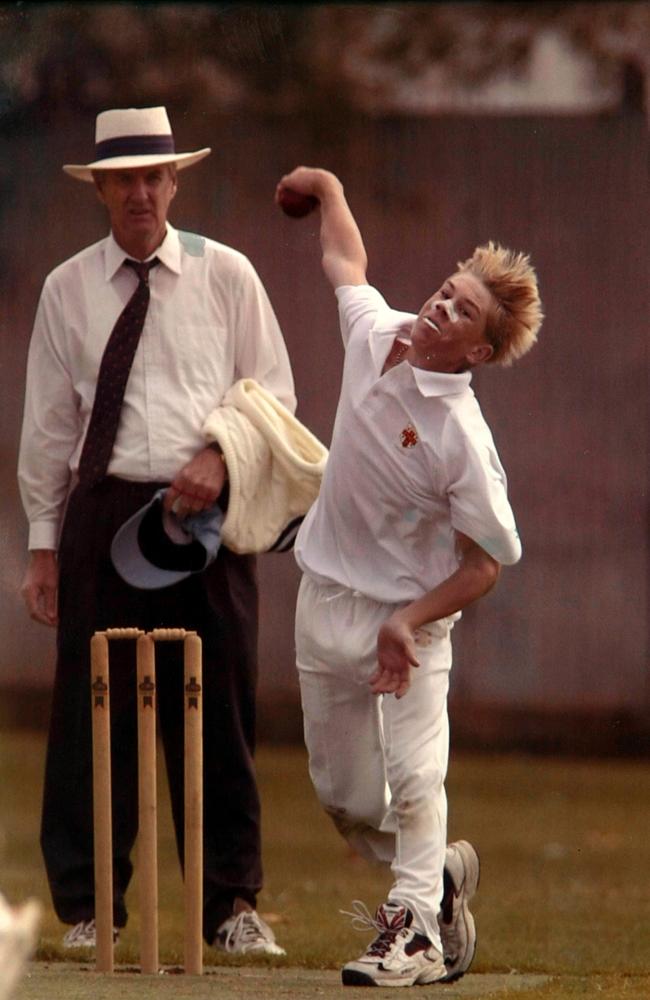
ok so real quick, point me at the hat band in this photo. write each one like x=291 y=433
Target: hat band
x=135 y=145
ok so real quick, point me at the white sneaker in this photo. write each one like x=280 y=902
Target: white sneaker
x=84 y=935
x=456 y=923
x=245 y=933
x=399 y=956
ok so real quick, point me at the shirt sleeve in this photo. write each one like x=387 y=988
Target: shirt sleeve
x=51 y=426
x=261 y=351
x=477 y=491
x=365 y=314
x=358 y=309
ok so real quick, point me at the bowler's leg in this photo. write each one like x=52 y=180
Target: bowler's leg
x=342 y=722
x=416 y=733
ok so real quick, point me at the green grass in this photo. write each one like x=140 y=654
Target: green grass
x=565 y=857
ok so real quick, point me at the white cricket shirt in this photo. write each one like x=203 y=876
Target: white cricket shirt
x=412 y=460
x=209 y=323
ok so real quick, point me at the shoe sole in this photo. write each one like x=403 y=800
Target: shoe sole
x=471 y=866
x=350 y=977
x=250 y=952
x=353 y=977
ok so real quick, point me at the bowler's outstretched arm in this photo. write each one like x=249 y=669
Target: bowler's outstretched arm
x=344 y=255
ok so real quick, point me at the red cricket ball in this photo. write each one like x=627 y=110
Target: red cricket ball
x=295 y=204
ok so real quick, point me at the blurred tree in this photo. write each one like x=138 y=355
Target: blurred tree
x=55 y=57
x=282 y=58
x=383 y=48
x=618 y=33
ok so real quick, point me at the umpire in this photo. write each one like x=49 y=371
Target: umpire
x=137 y=338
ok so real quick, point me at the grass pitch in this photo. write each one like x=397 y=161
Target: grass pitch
x=563 y=896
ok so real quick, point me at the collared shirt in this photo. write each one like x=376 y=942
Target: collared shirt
x=411 y=462
x=209 y=323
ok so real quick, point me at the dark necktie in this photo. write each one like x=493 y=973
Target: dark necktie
x=112 y=378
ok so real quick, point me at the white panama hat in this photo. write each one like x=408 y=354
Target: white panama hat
x=133 y=137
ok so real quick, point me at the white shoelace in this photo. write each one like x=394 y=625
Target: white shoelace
x=247 y=928
x=361 y=917
x=83 y=931
x=388 y=936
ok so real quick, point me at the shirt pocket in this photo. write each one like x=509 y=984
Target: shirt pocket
x=204 y=355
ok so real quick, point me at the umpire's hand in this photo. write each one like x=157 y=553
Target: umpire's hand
x=40 y=586
x=198 y=485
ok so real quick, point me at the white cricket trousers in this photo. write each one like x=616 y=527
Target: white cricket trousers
x=378 y=763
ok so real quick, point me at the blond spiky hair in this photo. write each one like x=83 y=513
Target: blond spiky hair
x=517 y=315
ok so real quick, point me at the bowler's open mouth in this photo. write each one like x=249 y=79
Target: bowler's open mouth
x=433 y=325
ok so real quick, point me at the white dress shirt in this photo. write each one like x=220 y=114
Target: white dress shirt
x=209 y=323
x=411 y=462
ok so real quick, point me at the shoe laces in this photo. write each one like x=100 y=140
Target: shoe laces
x=388 y=922
x=84 y=929
x=247 y=928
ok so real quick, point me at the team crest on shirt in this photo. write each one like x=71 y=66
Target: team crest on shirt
x=409 y=436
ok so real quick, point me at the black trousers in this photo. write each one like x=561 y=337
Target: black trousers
x=221 y=605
